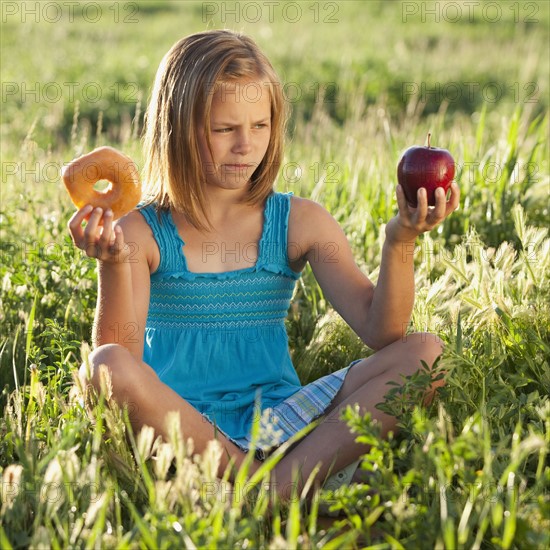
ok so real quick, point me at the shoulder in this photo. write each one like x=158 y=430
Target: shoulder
x=300 y=206
x=310 y=225
x=139 y=236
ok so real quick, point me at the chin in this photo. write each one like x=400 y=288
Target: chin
x=228 y=184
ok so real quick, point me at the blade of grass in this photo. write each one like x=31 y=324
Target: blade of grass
x=142 y=527
x=14 y=363
x=29 y=329
x=4 y=542
x=293 y=522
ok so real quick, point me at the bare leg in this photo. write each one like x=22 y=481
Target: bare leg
x=149 y=400
x=332 y=444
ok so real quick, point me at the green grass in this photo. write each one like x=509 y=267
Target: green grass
x=469 y=471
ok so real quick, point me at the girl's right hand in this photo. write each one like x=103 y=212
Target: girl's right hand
x=98 y=238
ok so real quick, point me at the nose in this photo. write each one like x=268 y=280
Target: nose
x=243 y=144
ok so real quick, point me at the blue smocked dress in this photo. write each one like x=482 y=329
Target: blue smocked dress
x=219 y=339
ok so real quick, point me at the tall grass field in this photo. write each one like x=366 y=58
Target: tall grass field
x=365 y=80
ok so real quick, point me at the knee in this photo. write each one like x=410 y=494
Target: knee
x=115 y=358
x=425 y=346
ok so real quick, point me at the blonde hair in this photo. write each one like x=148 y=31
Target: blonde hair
x=181 y=100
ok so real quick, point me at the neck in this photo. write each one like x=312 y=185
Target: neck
x=223 y=201
x=222 y=206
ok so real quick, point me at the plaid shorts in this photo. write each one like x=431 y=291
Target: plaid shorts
x=281 y=422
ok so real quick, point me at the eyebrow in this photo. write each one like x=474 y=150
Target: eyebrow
x=225 y=123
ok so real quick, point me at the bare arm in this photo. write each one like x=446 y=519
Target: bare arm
x=393 y=299
x=123 y=276
x=378 y=314
x=329 y=254
x=120 y=316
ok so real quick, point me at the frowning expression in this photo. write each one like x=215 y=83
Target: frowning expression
x=240 y=129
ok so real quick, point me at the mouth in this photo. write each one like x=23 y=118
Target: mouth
x=237 y=166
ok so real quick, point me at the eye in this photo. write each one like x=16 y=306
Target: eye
x=260 y=125
x=222 y=129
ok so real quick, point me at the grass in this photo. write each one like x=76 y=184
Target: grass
x=470 y=470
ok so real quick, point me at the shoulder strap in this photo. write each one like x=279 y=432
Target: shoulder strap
x=167 y=238
x=273 y=247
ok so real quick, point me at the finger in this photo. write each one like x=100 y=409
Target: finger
x=454 y=199
x=118 y=243
x=119 y=236
x=402 y=201
x=422 y=208
x=106 y=239
x=91 y=232
x=439 y=210
x=75 y=223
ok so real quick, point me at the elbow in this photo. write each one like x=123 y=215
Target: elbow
x=129 y=341
x=373 y=343
x=96 y=340
x=375 y=338
x=371 y=340
x=378 y=334
x=99 y=337
x=377 y=344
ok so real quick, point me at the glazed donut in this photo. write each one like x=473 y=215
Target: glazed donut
x=124 y=191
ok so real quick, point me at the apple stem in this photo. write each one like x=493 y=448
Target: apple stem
x=429 y=138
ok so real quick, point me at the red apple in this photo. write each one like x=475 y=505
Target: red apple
x=427 y=167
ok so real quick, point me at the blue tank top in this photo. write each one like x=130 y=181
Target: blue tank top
x=219 y=339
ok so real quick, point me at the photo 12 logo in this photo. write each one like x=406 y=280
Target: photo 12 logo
x=293 y=92
x=54 y=12
x=454 y=92
x=469 y=11
x=54 y=92
x=253 y=12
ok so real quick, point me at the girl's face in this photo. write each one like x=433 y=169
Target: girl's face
x=240 y=129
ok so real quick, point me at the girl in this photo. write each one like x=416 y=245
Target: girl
x=198 y=279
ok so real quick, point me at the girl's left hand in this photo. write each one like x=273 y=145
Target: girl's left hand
x=411 y=222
